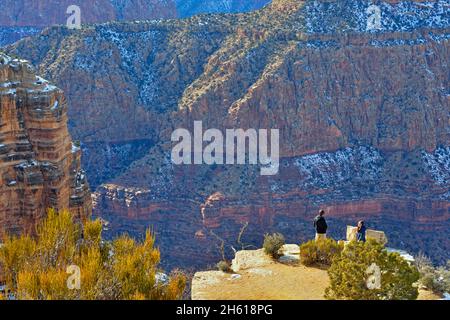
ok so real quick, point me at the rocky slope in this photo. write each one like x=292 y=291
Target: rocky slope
x=38 y=13
x=364 y=118
x=22 y=18
x=19 y=19
x=188 y=8
x=39 y=166
x=10 y=35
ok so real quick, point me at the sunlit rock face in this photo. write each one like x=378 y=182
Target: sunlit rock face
x=363 y=115
x=39 y=165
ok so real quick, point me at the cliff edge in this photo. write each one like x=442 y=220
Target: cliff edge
x=257 y=277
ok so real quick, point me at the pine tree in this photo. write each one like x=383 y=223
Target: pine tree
x=359 y=264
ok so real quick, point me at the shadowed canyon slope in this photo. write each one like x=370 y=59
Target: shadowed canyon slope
x=364 y=121
x=39 y=165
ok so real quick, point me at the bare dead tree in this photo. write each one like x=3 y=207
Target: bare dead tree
x=222 y=242
x=221 y=247
x=241 y=234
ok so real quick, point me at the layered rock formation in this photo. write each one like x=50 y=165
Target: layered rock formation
x=363 y=114
x=40 y=168
x=38 y=13
x=22 y=18
x=188 y=8
x=19 y=19
x=44 y=13
x=10 y=35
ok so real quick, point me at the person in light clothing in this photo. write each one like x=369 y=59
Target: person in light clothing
x=320 y=224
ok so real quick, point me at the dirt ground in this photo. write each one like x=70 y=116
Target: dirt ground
x=428 y=295
x=272 y=282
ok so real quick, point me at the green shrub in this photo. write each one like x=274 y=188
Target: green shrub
x=366 y=271
x=430 y=281
x=444 y=276
x=224 y=266
x=319 y=252
x=273 y=243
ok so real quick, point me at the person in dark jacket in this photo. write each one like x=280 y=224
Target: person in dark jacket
x=320 y=224
x=361 y=233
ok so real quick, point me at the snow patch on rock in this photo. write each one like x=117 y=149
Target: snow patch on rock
x=332 y=169
x=438 y=165
x=351 y=15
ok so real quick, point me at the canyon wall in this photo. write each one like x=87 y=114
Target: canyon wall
x=38 y=13
x=22 y=18
x=40 y=167
x=188 y=8
x=364 y=121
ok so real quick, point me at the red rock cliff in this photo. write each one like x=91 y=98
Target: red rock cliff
x=39 y=165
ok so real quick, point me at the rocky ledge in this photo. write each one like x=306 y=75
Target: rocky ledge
x=255 y=276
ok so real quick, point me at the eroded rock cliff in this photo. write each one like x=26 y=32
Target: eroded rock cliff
x=188 y=8
x=22 y=18
x=44 y=13
x=40 y=167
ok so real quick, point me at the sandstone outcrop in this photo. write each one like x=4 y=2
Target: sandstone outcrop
x=250 y=259
x=364 y=118
x=40 y=167
x=375 y=235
